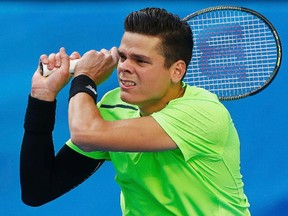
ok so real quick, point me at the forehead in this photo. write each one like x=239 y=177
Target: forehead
x=138 y=43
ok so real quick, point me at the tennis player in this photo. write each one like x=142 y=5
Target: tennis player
x=174 y=147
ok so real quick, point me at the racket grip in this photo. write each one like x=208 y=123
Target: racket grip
x=46 y=72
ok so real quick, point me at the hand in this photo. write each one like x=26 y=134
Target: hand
x=47 y=88
x=98 y=65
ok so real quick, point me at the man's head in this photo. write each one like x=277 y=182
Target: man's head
x=154 y=53
x=175 y=34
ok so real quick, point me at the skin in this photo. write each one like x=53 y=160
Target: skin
x=141 y=63
x=144 y=81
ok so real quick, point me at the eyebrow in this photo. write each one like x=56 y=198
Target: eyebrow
x=136 y=56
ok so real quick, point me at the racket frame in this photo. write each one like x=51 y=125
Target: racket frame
x=273 y=30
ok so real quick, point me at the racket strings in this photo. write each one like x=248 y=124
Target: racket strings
x=234 y=52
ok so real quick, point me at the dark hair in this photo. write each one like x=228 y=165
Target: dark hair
x=175 y=34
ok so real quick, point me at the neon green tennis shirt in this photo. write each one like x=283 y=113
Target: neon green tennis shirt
x=201 y=177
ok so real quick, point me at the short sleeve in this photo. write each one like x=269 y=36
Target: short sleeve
x=94 y=154
x=198 y=127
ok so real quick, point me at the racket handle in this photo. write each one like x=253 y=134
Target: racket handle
x=46 y=72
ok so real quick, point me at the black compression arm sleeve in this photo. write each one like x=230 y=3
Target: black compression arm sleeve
x=43 y=176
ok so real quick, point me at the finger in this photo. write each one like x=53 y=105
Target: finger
x=44 y=59
x=65 y=61
x=57 y=60
x=114 y=53
x=75 y=55
x=90 y=53
x=105 y=51
x=51 y=61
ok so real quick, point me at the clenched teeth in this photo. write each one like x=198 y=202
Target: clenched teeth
x=128 y=83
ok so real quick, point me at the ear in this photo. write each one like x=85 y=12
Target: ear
x=178 y=70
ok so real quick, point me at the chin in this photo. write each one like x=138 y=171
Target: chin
x=125 y=97
x=128 y=98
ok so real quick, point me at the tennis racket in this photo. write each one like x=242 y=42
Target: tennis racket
x=236 y=53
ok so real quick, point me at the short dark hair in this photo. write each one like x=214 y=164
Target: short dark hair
x=175 y=34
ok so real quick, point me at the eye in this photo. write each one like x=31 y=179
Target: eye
x=141 y=61
x=122 y=57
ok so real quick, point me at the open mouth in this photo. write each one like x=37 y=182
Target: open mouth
x=127 y=83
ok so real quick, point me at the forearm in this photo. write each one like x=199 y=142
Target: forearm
x=36 y=163
x=83 y=113
x=43 y=176
x=37 y=150
x=84 y=116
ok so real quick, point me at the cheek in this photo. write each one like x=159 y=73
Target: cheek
x=156 y=84
x=159 y=78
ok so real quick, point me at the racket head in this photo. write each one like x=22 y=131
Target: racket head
x=237 y=51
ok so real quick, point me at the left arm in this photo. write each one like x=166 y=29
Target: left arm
x=89 y=131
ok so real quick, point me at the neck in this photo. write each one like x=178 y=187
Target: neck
x=160 y=104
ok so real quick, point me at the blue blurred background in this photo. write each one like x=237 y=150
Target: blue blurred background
x=30 y=28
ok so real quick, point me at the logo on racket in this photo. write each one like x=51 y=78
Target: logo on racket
x=221 y=52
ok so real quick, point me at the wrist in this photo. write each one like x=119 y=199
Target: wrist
x=85 y=84
x=43 y=95
x=40 y=115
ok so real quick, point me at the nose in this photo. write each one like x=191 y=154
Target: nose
x=125 y=66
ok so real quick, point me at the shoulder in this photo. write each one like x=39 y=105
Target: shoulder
x=195 y=99
x=112 y=107
x=197 y=122
x=199 y=94
x=198 y=108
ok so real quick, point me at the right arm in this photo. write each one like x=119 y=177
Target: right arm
x=44 y=176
